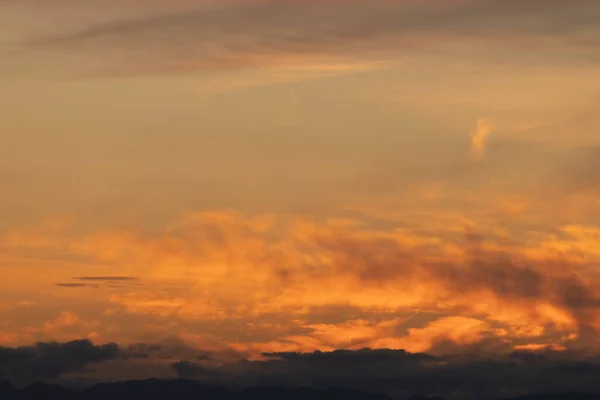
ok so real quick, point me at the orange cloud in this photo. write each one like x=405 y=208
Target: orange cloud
x=226 y=266
x=64 y=320
x=540 y=347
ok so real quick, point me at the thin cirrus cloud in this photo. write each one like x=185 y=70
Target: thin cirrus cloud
x=106 y=278
x=289 y=74
x=76 y=285
x=100 y=281
x=250 y=34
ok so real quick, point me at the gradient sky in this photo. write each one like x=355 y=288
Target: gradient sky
x=264 y=176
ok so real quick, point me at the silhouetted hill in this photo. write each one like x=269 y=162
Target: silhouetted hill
x=154 y=389
x=6 y=389
x=419 y=397
x=40 y=391
x=560 y=396
x=276 y=393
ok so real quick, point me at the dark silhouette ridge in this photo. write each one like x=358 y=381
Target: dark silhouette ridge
x=43 y=391
x=154 y=389
x=6 y=389
x=560 y=396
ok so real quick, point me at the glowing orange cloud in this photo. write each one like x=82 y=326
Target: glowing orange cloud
x=224 y=266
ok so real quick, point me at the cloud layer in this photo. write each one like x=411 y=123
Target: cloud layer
x=208 y=36
x=253 y=284
x=398 y=373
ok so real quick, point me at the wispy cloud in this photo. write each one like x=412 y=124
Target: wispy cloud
x=106 y=278
x=479 y=139
x=288 y=74
x=266 y=33
x=77 y=285
x=101 y=281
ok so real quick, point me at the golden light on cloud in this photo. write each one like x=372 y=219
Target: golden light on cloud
x=226 y=266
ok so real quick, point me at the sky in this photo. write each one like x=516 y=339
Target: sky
x=248 y=177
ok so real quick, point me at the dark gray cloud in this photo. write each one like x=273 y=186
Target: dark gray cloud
x=76 y=285
x=106 y=278
x=101 y=281
x=64 y=361
x=396 y=372
x=168 y=349
x=367 y=368
x=48 y=361
x=403 y=374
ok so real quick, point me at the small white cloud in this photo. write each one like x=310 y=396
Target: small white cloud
x=479 y=139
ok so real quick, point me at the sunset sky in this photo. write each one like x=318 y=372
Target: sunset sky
x=249 y=176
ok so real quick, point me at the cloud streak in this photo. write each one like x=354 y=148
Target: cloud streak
x=101 y=281
x=259 y=33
